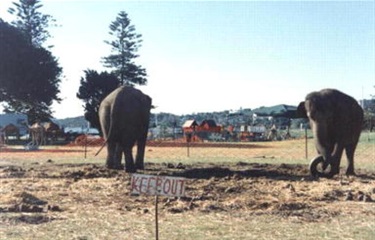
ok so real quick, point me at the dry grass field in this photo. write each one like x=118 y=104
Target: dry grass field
x=245 y=191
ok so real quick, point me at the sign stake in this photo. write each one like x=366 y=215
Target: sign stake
x=306 y=148
x=156 y=217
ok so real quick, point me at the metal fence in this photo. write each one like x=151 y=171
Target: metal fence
x=297 y=149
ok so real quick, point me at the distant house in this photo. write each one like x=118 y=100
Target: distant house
x=198 y=132
x=189 y=126
x=188 y=129
x=252 y=133
x=209 y=126
x=14 y=124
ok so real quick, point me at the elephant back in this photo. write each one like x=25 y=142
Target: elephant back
x=129 y=111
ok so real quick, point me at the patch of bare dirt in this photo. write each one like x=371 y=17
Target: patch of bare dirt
x=51 y=191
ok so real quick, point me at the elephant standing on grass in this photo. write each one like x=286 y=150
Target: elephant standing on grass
x=336 y=120
x=124 y=118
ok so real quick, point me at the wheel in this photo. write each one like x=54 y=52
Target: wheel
x=317 y=168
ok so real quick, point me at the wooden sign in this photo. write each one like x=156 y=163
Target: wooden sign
x=158 y=185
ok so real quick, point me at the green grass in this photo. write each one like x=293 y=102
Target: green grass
x=195 y=226
x=367 y=138
x=291 y=151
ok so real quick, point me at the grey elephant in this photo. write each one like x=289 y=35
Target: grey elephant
x=124 y=118
x=336 y=120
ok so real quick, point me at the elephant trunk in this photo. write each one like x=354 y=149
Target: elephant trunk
x=323 y=144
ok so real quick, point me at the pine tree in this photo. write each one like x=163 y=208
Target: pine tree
x=31 y=21
x=125 y=44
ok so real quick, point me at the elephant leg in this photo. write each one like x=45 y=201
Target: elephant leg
x=349 y=150
x=141 y=145
x=111 y=149
x=117 y=156
x=336 y=159
x=112 y=156
x=129 y=161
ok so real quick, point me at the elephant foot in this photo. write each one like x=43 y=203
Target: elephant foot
x=329 y=175
x=350 y=173
x=131 y=170
x=115 y=167
x=140 y=167
x=139 y=163
x=350 y=170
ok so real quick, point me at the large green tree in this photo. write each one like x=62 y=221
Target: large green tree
x=29 y=74
x=125 y=43
x=94 y=88
x=31 y=21
x=124 y=71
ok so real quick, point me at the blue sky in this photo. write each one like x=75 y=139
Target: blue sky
x=205 y=56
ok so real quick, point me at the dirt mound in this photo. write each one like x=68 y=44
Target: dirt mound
x=90 y=171
x=28 y=203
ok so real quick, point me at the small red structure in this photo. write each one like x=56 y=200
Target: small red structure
x=209 y=126
x=189 y=126
x=194 y=132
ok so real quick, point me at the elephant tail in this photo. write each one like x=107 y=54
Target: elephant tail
x=101 y=148
x=111 y=123
x=108 y=136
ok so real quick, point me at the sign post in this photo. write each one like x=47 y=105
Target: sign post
x=158 y=186
x=306 y=148
x=156 y=217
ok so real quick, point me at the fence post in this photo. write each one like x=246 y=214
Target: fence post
x=86 y=135
x=306 y=148
x=188 y=140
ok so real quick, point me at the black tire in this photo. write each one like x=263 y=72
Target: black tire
x=316 y=168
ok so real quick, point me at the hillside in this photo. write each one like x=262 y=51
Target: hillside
x=74 y=122
x=168 y=119
x=242 y=116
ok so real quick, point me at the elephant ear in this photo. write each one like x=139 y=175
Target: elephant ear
x=320 y=106
x=301 y=110
x=313 y=106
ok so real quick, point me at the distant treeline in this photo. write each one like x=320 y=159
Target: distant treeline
x=224 y=118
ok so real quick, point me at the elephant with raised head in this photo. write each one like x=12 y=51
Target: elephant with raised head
x=124 y=118
x=336 y=120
